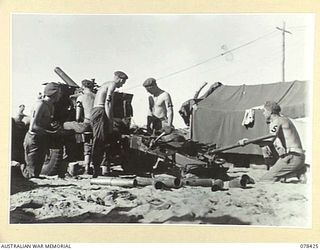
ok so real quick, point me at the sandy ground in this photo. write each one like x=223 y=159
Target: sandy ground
x=75 y=200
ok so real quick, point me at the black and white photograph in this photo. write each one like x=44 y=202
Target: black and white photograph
x=184 y=119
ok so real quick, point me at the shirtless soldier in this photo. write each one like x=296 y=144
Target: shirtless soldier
x=160 y=112
x=286 y=142
x=20 y=115
x=102 y=118
x=36 y=142
x=84 y=105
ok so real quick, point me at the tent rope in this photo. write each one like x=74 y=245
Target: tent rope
x=287 y=91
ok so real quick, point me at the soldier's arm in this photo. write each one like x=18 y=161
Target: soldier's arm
x=79 y=109
x=108 y=101
x=150 y=106
x=169 y=107
x=149 y=113
x=274 y=130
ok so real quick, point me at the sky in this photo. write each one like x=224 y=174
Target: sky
x=181 y=51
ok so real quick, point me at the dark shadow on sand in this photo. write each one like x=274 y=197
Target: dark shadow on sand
x=20 y=184
x=54 y=186
x=221 y=220
x=18 y=216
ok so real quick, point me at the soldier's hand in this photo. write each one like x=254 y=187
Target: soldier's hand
x=167 y=129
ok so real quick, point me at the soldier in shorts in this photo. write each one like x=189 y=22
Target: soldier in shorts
x=287 y=143
x=84 y=105
x=36 y=142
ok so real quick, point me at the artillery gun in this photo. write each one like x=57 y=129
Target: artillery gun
x=140 y=152
x=65 y=111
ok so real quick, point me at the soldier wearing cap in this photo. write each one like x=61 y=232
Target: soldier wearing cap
x=36 y=142
x=102 y=118
x=84 y=105
x=85 y=102
x=290 y=157
x=160 y=110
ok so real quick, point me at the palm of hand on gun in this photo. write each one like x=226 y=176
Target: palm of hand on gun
x=166 y=130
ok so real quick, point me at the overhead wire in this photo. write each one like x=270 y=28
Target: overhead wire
x=209 y=59
x=277 y=50
x=266 y=63
x=295 y=27
x=214 y=57
x=223 y=65
x=239 y=71
x=274 y=54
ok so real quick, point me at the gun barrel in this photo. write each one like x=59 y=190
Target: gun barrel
x=237 y=145
x=65 y=77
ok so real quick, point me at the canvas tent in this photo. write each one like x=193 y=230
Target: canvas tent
x=218 y=117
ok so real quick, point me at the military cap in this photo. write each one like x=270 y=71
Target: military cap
x=121 y=75
x=87 y=84
x=149 y=82
x=51 y=88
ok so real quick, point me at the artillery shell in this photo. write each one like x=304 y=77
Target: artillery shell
x=160 y=183
x=241 y=182
x=114 y=181
x=217 y=185
x=144 y=181
x=198 y=182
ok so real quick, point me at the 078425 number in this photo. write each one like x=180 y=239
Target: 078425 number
x=308 y=246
